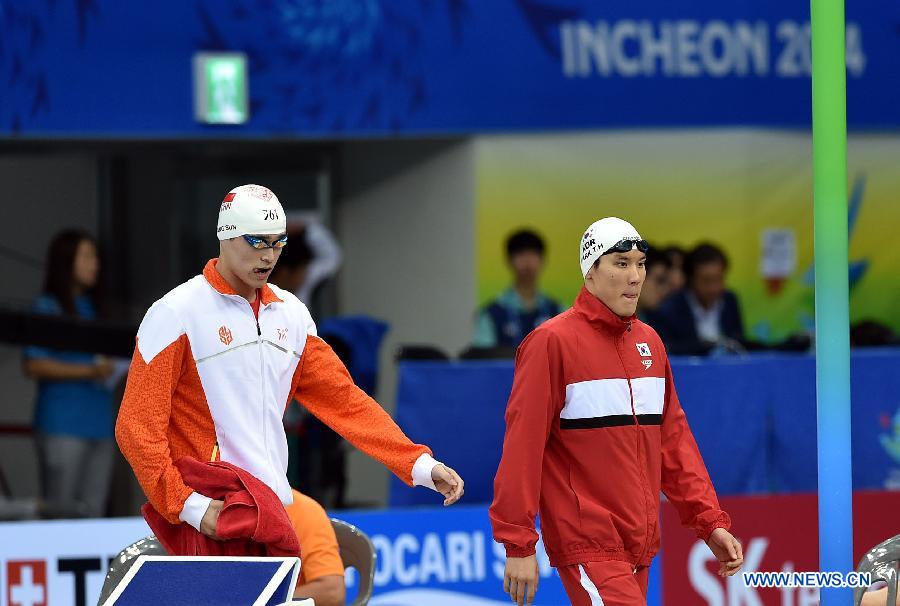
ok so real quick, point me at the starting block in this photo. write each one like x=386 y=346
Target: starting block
x=208 y=581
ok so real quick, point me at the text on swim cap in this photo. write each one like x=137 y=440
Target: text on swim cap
x=263 y=193
x=587 y=253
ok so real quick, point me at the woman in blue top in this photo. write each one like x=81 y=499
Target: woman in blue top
x=73 y=416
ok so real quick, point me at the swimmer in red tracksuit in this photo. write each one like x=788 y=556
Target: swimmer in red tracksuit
x=594 y=432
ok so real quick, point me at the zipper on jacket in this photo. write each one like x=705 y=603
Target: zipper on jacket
x=262 y=386
x=262 y=377
x=637 y=432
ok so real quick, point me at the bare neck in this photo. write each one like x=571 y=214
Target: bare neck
x=238 y=285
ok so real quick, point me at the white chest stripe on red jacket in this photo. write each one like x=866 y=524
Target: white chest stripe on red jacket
x=607 y=403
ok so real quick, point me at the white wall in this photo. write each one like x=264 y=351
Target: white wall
x=404 y=213
x=42 y=194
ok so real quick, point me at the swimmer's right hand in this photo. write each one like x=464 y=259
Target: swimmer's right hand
x=211 y=518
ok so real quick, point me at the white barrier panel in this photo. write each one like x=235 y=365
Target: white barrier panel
x=61 y=562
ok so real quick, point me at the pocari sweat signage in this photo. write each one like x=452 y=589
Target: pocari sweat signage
x=425 y=557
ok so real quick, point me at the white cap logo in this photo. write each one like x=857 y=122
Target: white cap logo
x=248 y=210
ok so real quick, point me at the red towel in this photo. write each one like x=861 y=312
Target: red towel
x=253 y=520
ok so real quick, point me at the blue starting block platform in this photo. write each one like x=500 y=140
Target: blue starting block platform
x=207 y=581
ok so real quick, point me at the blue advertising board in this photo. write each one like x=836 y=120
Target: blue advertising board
x=446 y=556
x=437 y=556
x=92 y=68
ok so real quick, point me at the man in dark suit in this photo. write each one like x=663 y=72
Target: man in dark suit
x=704 y=315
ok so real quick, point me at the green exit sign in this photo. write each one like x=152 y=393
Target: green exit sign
x=220 y=88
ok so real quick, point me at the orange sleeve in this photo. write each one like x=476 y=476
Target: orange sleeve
x=319 y=553
x=143 y=423
x=325 y=388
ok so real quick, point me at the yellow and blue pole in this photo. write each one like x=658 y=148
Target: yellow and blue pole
x=829 y=121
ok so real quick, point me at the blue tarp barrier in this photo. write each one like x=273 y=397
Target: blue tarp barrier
x=754 y=419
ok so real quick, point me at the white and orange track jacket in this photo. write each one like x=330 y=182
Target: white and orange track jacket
x=211 y=381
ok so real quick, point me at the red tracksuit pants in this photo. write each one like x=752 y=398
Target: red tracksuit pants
x=605 y=584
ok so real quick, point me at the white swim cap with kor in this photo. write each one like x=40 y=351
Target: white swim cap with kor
x=601 y=236
x=248 y=210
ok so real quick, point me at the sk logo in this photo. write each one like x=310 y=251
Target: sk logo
x=643 y=350
x=282 y=333
x=225 y=335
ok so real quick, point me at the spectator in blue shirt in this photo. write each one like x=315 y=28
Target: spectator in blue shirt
x=506 y=320
x=73 y=416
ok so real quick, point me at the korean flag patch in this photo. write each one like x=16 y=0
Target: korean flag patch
x=643 y=350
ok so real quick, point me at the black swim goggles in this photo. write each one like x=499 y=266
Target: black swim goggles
x=627 y=245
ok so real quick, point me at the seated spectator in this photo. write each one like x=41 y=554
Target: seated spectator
x=321 y=569
x=872 y=333
x=291 y=269
x=74 y=414
x=703 y=315
x=308 y=262
x=676 y=256
x=506 y=320
x=656 y=286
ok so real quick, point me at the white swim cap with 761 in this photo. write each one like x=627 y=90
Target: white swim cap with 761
x=250 y=210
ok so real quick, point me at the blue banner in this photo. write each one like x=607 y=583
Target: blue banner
x=92 y=68
x=441 y=556
x=425 y=557
x=754 y=419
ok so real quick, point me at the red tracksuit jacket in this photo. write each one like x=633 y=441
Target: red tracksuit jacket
x=594 y=431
